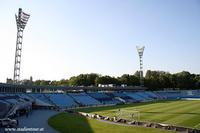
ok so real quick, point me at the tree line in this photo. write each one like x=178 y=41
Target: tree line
x=153 y=80
x=156 y=80
x=92 y=79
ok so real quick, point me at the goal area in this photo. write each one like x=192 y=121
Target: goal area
x=128 y=114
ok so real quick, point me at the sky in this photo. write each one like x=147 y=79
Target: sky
x=65 y=38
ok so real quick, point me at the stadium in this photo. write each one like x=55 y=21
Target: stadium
x=148 y=101
x=106 y=109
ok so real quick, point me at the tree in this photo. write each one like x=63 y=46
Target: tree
x=42 y=82
x=124 y=79
x=134 y=80
x=91 y=79
x=106 y=80
x=83 y=80
x=184 y=80
x=137 y=74
x=129 y=80
x=157 y=79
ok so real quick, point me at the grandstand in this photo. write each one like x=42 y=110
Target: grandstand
x=11 y=102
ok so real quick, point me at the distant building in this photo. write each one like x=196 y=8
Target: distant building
x=27 y=81
x=23 y=82
x=124 y=85
x=9 y=81
x=106 y=85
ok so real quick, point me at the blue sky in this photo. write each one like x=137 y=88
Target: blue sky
x=69 y=37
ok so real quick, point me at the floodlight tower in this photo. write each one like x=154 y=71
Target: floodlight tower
x=21 y=20
x=140 y=52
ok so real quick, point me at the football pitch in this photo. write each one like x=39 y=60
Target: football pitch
x=71 y=123
x=181 y=113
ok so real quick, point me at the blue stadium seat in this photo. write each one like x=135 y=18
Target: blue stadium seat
x=61 y=100
x=135 y=96
x=123 y=96
x=84 y=99
x=41 y=97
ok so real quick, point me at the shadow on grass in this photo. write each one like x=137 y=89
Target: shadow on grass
x=70 y=123
x=96 y=109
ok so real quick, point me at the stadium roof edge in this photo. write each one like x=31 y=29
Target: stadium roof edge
x=68 y=88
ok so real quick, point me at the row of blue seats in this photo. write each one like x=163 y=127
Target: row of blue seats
x=61 y=100
x=84 y=99
x=93 y=98
x=178 y=94
x=99 y=95
x=104 y=98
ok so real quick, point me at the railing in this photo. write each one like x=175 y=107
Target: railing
x=11 y=111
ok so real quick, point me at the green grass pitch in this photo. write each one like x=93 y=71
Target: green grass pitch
x=182 y=113
x=69 y=123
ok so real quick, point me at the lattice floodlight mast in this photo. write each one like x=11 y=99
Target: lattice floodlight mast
x=21 y=20
x=140 y=52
